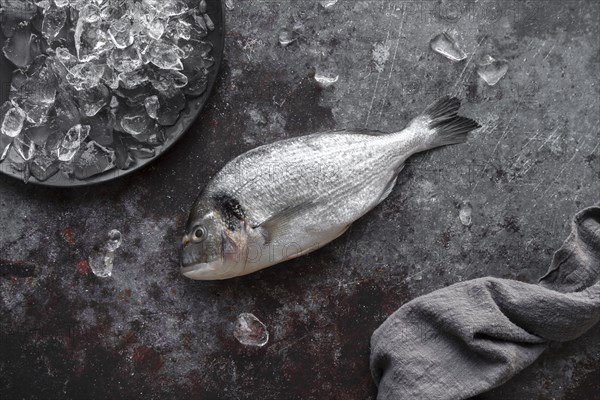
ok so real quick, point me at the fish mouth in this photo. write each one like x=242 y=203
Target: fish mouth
x=193 y=271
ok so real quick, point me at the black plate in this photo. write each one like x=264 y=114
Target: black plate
x=173 y=133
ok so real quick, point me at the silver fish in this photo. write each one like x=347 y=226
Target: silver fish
x=288 y=198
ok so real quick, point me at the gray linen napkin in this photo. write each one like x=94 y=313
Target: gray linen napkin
x=467 y=338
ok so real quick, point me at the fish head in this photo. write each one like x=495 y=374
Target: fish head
x=212 y=248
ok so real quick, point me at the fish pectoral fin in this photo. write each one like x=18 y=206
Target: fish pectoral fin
x=280 y=222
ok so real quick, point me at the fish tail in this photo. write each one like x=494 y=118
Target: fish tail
x=443 y=123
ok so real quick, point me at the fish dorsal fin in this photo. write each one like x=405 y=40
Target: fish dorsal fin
x=280 y=222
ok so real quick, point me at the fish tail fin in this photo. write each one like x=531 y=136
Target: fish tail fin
x=446 y=127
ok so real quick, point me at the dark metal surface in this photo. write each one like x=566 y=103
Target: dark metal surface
x=147 y=332
x=172 y=133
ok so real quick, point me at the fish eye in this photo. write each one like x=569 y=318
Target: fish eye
x=199 y=234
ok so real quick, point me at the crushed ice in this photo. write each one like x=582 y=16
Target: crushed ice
x=492 y=70
x=98 y=80
x=465 y=213
x=445 y=45
x=326 y=79
x=250 y=331
x=102 y=258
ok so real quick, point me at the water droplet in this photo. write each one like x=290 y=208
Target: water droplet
x=465 y=212
x=445 y=45
x=250 y=331
x=492 y=70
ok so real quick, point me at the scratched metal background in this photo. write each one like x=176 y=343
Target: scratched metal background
x=147 y=332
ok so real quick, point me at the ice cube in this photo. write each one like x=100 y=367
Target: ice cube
x=202 y=6
x=125 y=60
x=174 y=8
x=5 y=143
x=101 y=262
x=250 y=331
x=93 y=99
x=286 y=38
x=12 y=123
x=165 y=55
x=151 y=104
x=135 y=121
x=164 y=80
x=36 y=95
x=93 y=159
x=156 y=27
x=133 y=79
x=43 y=4
x=492 y=70
x=114 y=240
x=121 y=33
x=39 y=134
x=230 y=5
x=328 y=3
x=66 y=110
x=101 y=128
x=197 y=85
x=209 y=23
x=71 y=142
x=15 y=12
x=465 y=212
x=91 y=41
x=171 y=102
x=62 y=62
x=24 y=146
x=199 y=30
x=44 y=166
x=79 y=4
x=141 y=151
x=167 y=8
x=183 y=29
x=110 y=78
x=89 y=13
x=195 y=48
x=445 y=45
x=123 y=159
x=61 y=3
x=326 y=79
x=54 y=20
x=85 y=76
x=18 y=49
x=18 y=79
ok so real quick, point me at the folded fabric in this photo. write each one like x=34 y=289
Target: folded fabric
x=467 y=338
